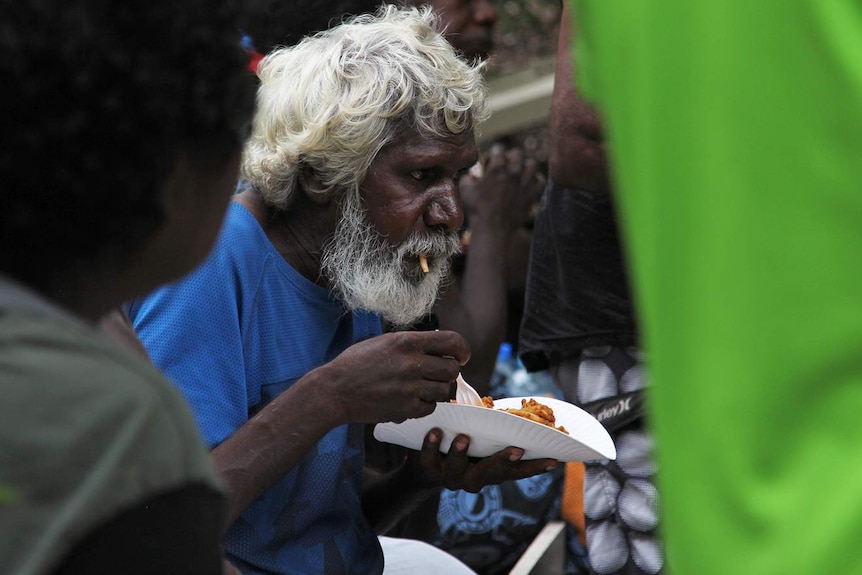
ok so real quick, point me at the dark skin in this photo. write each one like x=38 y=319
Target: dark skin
x=195 y=197
x=410 y=186
x=498 y=204
x=469 y=24
x=475 y=305
x=577 y=157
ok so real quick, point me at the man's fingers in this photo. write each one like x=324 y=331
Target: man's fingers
x=443 y=344
x=430 y=457
x=434 y=391
x=456 y=462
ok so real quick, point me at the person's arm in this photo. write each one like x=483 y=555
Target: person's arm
x=475 y=305
x=270 y=444
x=355 y=387
x=576 y=147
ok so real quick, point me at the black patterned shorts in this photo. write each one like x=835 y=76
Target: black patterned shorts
x=621 y=501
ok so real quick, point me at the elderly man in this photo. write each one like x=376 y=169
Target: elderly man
x=361 y=135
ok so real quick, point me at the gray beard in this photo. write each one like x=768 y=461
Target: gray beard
x=365 y=272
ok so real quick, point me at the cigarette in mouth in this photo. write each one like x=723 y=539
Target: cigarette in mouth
x=423 y=263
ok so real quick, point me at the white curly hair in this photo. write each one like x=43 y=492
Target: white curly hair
x=328 y=105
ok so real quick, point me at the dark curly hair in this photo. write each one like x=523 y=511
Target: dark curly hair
x=272 y=23
x=99 y=97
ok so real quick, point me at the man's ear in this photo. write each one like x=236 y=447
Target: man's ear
x=312 y=187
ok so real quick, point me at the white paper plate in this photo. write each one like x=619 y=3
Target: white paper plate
x=491 y=430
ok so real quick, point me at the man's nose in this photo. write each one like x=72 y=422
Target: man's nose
x=445 y=209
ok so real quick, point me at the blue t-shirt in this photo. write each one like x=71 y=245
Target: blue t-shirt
x=233 y=335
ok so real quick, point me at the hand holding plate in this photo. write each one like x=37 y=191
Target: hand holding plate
x=455 y=470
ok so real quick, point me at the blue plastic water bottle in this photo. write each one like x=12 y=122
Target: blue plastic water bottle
x=502 y=371
x=522 y=383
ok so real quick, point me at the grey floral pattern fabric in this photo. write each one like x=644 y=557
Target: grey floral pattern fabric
x=621 y=501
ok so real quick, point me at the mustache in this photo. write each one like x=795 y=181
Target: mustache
x=440 y=244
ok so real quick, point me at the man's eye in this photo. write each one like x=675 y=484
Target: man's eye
x=419 y=175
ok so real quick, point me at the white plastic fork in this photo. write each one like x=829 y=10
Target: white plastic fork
x=464 y=393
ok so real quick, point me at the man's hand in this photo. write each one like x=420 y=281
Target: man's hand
x=395 y=376
x=456 y=471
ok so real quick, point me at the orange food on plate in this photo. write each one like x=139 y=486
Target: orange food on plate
x=532 y=410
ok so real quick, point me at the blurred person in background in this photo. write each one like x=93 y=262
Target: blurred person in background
x=467 y=24
x=579 y=322
x=122 y=131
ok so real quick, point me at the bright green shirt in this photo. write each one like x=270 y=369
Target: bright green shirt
x=736 y=131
